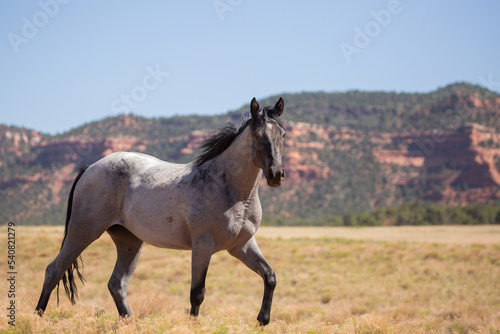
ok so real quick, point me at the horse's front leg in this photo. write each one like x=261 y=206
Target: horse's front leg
x=251 y=256
x=200 y=259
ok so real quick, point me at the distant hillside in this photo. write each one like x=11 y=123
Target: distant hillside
x=344 y=153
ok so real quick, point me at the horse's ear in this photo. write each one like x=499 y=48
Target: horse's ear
x=254 y=108
x=280 y=105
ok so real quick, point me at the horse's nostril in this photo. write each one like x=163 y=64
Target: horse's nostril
x=271 y=173
x=276 y=174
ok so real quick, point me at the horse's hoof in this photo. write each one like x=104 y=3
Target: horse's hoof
x=263 y=319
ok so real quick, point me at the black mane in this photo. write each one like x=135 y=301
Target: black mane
x=219 y=142
x=224 y=137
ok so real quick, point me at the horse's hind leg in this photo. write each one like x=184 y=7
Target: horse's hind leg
x=251 y=256
x=70 y=250
x=128 y=247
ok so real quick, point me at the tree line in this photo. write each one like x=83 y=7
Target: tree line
x=414 y=213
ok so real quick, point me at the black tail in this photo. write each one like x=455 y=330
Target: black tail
x=68 y=277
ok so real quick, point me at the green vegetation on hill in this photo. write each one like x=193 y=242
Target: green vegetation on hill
x=374 y=111
x=356 y=184
x=391 y=111
x=408 y=214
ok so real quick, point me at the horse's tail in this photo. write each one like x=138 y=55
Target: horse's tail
x=68 y=277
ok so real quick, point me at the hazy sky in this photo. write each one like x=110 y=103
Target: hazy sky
x=67 y=62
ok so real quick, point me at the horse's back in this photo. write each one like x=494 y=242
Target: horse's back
x=138 y=167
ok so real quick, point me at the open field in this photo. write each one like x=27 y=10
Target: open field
x=463 y=235
x=442 y=279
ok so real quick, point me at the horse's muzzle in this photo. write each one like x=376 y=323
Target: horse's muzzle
x=275 y=176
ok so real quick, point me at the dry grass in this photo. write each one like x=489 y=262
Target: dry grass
x=467 y=234
x=325 y=285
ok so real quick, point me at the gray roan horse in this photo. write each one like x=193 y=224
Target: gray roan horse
x=206 y=206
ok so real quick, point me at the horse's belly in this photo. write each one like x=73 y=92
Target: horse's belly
x=161 y=226
x=157 y=216
x=161 y=234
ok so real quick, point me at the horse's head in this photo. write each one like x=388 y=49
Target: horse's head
x=267 y=141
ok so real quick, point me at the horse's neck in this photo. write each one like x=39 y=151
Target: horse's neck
x=236 y=161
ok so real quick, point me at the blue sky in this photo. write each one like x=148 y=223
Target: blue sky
x=67 y=62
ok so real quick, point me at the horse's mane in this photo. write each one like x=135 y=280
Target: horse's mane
x=224 y=137
x=220 y=141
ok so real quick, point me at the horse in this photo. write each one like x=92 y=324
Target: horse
x=206 y=206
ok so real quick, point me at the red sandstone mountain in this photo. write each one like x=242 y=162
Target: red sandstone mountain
x=340 y=163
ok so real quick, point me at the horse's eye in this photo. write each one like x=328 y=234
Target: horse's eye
x=284 y=135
